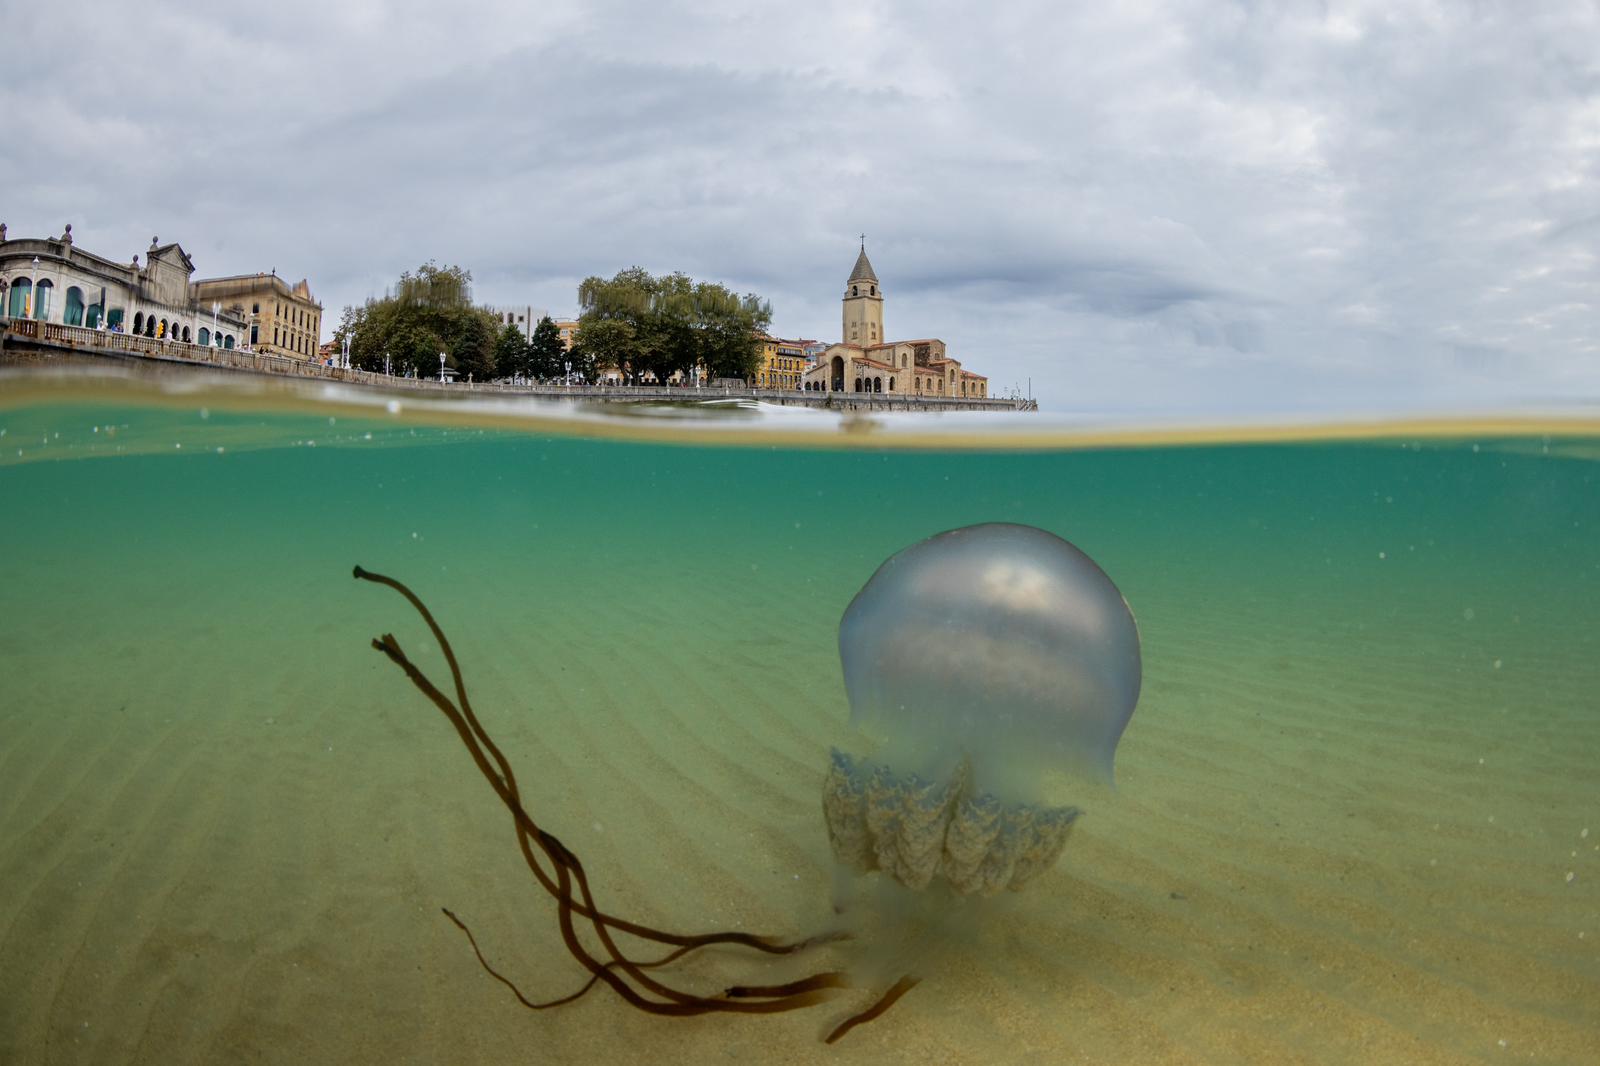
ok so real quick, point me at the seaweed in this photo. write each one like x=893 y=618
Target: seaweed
x=567 y=883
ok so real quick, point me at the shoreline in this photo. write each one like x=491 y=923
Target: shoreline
x=25 y=342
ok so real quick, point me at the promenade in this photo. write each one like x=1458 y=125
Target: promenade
x=27 y=342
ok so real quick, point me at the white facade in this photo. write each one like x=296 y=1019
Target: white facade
x=524 y=318
x=52 y=280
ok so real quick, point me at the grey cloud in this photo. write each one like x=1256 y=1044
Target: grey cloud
x=1187 y=202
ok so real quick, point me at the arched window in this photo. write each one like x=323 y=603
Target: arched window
x=874 y=289
x=187 y=336
x=228 y=343
x=114 y=319
x=21 y=298
x=891 y=384
x=205 y=335
x=93 y=316
x=41 y=298
x=74 y=312
x=150 y=326
x=855 y=290
x=877 y=384
x=138 y=322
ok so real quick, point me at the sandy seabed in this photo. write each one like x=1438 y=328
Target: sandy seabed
x=1333 y=840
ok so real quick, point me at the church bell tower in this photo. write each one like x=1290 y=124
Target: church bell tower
x=863 y=304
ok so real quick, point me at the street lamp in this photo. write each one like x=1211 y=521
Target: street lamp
x=347 y=351
x=215 y=307
x=441 y=368
x=386 y=364
x=33 y=292
x=569 y=373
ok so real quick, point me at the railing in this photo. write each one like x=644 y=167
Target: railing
x=84 y=338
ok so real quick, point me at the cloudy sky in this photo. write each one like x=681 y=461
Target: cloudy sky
x=1134 y=205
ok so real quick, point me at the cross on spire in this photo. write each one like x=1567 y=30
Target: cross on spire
x=863 y=242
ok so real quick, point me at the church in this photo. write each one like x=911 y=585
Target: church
x=864 y=360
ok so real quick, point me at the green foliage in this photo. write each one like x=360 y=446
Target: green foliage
x=638 y=324
x=430 y=311
x=545 y=350
x=510 y=352
x=604 y=344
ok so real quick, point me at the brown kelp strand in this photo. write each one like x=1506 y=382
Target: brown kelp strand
x=562 y=876
x=887 y=1000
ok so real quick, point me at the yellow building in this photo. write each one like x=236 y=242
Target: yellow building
x=865 y=362
x=569 y=331
x=782 y=363
x=284 y=319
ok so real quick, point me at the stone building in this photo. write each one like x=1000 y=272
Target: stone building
x=283 y=318
x=864 y=361
x=52 y=280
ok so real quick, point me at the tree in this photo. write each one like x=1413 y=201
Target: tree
x=510 y=353
x=545 y=350
x=429 y=311
x=674 y=324
x=605 y=344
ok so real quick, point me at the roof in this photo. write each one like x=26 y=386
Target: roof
x=863 y=268
x=259 y=280
x=183 y=256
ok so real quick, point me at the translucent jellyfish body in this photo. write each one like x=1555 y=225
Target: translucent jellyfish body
x=984 y=662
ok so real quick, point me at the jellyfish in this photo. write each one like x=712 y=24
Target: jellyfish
x=988 y=664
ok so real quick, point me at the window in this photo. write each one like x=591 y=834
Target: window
x=41 y=298
x=205 y=335
x=21 y=298
x=74 y=315
x=274 y=335
x=255 y=334
x=255 y=309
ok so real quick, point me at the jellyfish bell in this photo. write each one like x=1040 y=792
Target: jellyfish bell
x=986 y=662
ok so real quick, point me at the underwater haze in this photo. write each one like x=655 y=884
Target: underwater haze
x=1356 y=815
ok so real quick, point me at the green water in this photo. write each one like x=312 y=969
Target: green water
x=228 y=824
